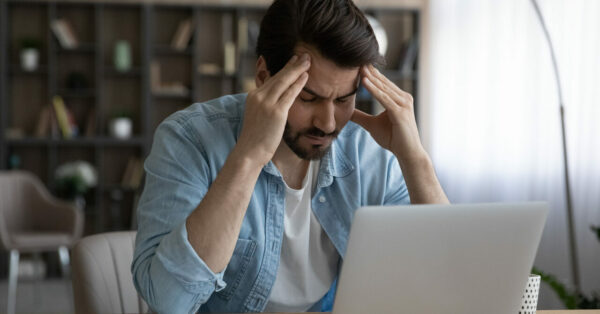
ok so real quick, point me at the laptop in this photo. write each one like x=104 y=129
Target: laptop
x=464 y=259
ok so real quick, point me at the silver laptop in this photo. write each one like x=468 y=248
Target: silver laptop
x=439 y=258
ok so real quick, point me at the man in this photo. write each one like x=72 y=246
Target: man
x=249 y=198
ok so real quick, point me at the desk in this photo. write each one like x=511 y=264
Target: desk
x=538 y=312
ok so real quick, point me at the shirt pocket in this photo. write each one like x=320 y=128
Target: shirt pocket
x=237 y=267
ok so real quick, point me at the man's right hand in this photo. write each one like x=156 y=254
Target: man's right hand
x=267 y=110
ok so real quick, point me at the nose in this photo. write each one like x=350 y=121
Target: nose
x=324 y=118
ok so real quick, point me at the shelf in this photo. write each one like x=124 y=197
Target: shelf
x=169 y=51
x=183 y=96
x=15 y=69
x=116 y=186
x=109 y=71
x=77 y=93
x=81 y=48
x=149 y=29
x=217 y=75
x=77 y=141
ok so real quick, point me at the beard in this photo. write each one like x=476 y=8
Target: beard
x=314 y=152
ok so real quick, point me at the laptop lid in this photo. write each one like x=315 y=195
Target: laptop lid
x=472 y=258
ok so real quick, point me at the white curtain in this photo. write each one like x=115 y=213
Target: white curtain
x=493 y=122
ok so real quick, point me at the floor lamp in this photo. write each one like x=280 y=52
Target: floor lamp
x=571 y=224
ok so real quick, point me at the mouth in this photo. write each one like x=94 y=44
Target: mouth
x=317 y=140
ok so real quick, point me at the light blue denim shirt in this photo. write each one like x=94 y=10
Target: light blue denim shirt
x=189 y=149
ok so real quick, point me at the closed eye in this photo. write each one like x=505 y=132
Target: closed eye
x=308 y=99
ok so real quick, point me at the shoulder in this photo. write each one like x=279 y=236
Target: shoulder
x=220 y=116
x=226 y=108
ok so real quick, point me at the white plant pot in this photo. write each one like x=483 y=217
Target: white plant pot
x=120 y=128
x=30 y=59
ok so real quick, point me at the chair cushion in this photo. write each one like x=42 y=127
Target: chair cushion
x=40 y=241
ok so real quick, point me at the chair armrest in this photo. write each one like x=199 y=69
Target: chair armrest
x=58 y=215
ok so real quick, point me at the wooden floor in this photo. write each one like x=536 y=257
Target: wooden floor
x=46 y=296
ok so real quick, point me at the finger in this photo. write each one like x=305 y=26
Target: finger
x=387 y=87
x=386 y=101
x=288 y=97
x=362 y=118
x=282 y=81
x=375 y=72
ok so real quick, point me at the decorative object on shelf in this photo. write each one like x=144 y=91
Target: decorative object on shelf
x=380 y=34
x=64 y=33
x=77 y=81
x=209 y=69
x=182 y=35
x=170 y=89
x=122 y=56
x=74 y=179
x=30 y=54
x=14 y=133
x=14 y=162
x=120 y=126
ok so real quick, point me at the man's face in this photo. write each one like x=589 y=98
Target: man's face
x=323 y=107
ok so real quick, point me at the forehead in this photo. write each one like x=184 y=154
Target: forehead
x=325 y=77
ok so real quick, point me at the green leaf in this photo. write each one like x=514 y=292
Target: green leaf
x=569 y=299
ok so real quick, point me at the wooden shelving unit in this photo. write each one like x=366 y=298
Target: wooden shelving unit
x=148 y=27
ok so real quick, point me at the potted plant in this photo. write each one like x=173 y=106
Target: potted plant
x=571 y=299
x=30 y=54
x=74 y=179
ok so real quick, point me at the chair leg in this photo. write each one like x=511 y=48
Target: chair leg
x=13 y=273
x=38 y=270
x=63 y=255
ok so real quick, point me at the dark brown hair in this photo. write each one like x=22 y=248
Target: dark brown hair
x=337 y=28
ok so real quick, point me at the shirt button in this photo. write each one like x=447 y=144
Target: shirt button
x=322 y=199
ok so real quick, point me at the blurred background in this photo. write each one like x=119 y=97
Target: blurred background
x=83 y=85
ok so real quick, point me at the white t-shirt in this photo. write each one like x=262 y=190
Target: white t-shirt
x=309 y=260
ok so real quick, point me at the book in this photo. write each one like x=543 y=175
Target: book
x=127 y=173
x=62 y=116
x=242 y=34
x=134 y=171
x=90 y=126
x=182 y=35
x=229 y=58
x=155 y=81
x=43 y=125
x=64 y=33
x=137 y=174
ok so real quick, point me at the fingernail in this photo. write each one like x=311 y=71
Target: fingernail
x=305 y=56
x=294 y=58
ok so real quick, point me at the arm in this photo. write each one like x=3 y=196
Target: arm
x=395 y=129
x=214 y=225
x=187 y=225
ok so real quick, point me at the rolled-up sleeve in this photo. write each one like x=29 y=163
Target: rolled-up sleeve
x=166 y=270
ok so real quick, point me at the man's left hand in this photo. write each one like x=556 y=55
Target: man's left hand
x=395 y=129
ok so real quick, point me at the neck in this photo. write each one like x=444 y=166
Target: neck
x=292 y=168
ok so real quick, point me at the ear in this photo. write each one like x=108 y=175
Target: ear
x=262 y=73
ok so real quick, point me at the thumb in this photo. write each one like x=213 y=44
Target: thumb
x=363 y=119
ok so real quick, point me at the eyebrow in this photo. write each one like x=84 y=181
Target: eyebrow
x=308 y=90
